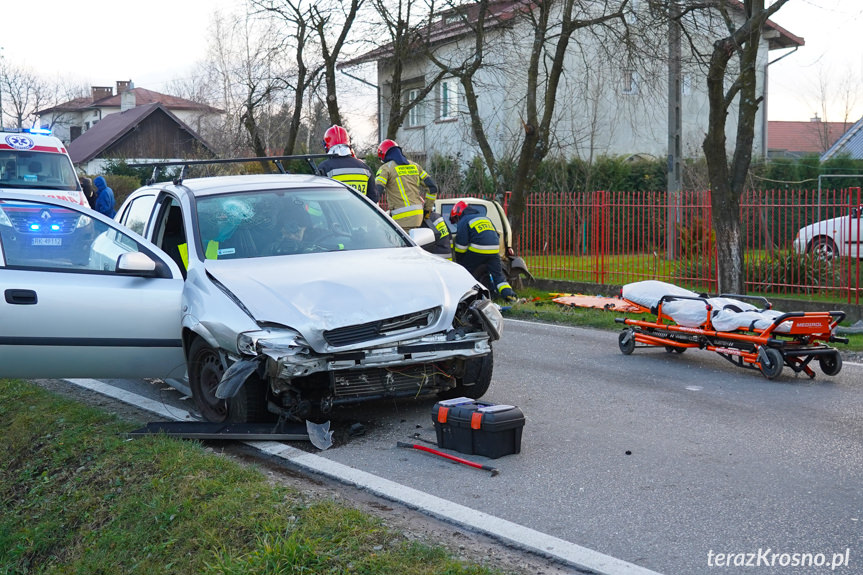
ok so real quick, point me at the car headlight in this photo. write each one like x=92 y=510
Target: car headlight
x=281 y=342
x=490 y=316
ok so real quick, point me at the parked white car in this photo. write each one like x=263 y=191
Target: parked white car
x=257 y=295
x=838 y=236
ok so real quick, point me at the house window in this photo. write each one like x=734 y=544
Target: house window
x=630 y=82
x=448 y=97
x=686 y=84
x=416 y=117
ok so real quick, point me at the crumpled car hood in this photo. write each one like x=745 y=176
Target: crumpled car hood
x=313 y=293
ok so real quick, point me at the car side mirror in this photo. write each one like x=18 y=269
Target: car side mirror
x=136 y=264
x=422 y=236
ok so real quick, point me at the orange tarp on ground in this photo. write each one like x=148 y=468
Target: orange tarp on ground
x=599 y=302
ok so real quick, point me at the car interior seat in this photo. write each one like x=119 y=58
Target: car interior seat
x=173 y=236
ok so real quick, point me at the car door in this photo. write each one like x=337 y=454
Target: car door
x=114 y=313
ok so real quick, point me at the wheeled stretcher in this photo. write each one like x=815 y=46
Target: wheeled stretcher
x=745 y=335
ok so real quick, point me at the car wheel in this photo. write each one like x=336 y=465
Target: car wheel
x=205 y=373
x=626 y=341
x=771 y=362
x=830 y=364
x=476 y=379
x=823 y=247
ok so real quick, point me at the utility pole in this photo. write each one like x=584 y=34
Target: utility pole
x=675 y=128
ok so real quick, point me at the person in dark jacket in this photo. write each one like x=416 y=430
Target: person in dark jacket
x=104 y=198
x=89 y=192
x=477 y=248
x=442 y=246
x=402 y=182
x=344 y=166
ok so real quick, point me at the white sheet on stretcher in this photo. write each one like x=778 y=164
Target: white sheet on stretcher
x=728 y=314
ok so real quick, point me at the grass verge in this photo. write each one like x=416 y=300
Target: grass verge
x=79 y=497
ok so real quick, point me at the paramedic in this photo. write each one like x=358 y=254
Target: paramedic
x=477 y=248
x=401 y=182
x=344 y=166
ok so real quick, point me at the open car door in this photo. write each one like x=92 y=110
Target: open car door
x=83 y=296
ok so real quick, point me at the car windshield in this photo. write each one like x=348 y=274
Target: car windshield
x=270 y=223
x=23 y=169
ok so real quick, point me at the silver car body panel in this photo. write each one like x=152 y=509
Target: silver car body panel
x=90 y=323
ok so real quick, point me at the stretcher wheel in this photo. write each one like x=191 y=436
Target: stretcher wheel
x=672 y=349
x=830 y=364
x=771 y=362
x=626 y=341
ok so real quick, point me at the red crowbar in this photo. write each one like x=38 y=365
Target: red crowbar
x=450 y=457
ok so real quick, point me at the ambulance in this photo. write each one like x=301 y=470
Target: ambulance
x=34 y=162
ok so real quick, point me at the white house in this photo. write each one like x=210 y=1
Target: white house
x=604 y=106
x=71 y=119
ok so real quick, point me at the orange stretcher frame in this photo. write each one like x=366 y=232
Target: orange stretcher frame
x=803 y=339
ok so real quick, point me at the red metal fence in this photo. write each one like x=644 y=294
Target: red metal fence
x=622 y=237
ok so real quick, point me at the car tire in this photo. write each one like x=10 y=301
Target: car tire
x=823 y=247
x=205 y=373
x=476 y=379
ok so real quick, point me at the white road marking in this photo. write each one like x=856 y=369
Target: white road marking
x=500 y=529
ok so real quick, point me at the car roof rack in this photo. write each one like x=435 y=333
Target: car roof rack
x=276 y=160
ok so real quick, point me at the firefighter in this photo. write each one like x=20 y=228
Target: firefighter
x=344 y=166
x=442 y=246
x=403 y=181
x=477 y=248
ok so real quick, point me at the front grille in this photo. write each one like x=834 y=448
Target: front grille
x=408 y=380
x=23 y=218
x=382 y=328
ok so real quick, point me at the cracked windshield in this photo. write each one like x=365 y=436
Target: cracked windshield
x=251 y=225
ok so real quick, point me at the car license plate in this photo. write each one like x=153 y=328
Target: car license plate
x=47 y=241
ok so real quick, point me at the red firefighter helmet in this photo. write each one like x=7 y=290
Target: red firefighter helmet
x=457 y=211
x=385 y=147
x=334 y=136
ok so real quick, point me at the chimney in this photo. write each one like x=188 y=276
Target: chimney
x=123 y=85
x=815 y=118
x=101 y=92
x=127 y=96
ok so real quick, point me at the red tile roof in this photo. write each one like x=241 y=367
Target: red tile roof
x=813 y=137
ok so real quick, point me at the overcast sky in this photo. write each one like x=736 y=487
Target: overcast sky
x=97 y=42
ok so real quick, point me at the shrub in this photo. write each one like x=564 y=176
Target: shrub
x=790 y=272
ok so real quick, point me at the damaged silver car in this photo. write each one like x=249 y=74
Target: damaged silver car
x=295 y=294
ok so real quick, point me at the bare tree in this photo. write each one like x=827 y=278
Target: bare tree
x=295 y=16
x=323 y=18
x=727 y=86
x=23 y=93
x=408 y=32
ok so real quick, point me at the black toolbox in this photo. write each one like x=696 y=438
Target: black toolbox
x=478 y=428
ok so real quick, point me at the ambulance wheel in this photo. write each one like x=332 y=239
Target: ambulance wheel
x=626 y=341
x=673 y=349
x=476 y=379
x=771 y=362
x=830 y=364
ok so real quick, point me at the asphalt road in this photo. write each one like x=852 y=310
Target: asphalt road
x=661 y=460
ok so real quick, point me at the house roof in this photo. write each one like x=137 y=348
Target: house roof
x=142 y=98
x=451 y=24
x=113 y=127
x=813 y=137
x=849 y=144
